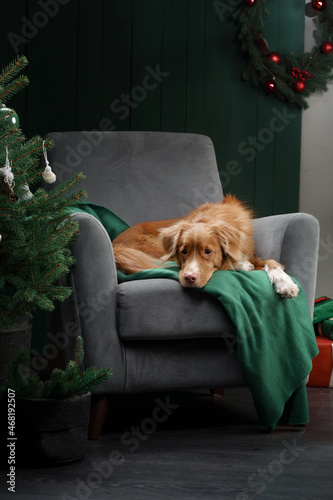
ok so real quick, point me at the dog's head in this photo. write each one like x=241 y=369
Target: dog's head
x=201 y=249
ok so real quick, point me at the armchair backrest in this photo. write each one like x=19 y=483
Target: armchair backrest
x=140 y=175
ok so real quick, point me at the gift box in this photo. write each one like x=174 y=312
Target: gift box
x=323 y=317
x=322 y=365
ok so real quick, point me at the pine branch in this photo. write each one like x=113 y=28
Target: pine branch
x=14 y=87
x=13 y=68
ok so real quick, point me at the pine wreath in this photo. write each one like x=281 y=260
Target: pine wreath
x=298 y=77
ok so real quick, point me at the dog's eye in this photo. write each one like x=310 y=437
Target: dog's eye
x=207 y=251
x=184 y=251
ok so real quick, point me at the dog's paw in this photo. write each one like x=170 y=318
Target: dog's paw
x=284 y=285
x=245 y=266
x=286 y=288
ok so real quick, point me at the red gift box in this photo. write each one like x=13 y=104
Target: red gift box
x=322 y=365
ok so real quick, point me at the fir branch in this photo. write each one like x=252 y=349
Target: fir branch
x=14 y=87
x=13 y=69
x=61 y=384
x=11 y=144
x=55 y=235
x=48 y=275
x=35 y=150
x=71 y=183
x=10 y=131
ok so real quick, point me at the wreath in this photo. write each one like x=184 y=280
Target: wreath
x=298 y=77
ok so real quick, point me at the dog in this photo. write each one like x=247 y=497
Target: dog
x=213 y=237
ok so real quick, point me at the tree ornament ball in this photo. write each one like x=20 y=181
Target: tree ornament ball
x=299 y=86
x=327 y=48
x=10 y=121
x=250 y=3
x=318 y=4
x=274 y=57
x=270 y=85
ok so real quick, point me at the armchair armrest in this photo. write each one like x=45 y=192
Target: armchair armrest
x=292 y=240
x=95 y=282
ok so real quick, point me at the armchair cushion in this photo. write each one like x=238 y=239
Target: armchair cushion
x=179 y=313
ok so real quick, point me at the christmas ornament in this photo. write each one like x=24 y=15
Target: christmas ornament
x=318 y=4
x=299 y=86
x=274 y=57
x=299 y=76
x=26 y=195
x=6 y=189
x=48 y=175
x=7 y=179
x=250 y=3
x=270 y=85
x=8 y=118
x=6 y=171
x=262 y=45
x=326 y=47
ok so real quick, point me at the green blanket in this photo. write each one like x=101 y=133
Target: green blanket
x=275 y=339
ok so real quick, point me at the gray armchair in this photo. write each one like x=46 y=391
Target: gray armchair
x=155 y=335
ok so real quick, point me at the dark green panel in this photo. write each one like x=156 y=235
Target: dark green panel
x=173 y=109
x=268 y=124
x=68 y=78
x=52 y=68
x=164 y=65
x=14 y=43
x=4 y=29
x=116 y=67
x=217 y=108
x=230 y=107
x=89 y=64
x=195 y=66
x=147 y=65
x=287 y=159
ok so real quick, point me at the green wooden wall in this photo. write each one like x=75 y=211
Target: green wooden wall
x=172 y=65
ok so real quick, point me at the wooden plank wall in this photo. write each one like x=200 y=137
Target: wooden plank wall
x=171 y=65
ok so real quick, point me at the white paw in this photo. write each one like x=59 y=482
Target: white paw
x=287 y=289
x=245 y=266
x=284 y=285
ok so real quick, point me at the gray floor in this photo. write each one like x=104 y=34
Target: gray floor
x=207 y=448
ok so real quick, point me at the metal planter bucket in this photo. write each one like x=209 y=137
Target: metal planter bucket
x=51 y=431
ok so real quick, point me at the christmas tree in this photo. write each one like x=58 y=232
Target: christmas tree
x=36 y=229
x=72 y=381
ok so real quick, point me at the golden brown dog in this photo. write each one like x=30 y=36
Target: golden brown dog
x=214 y=236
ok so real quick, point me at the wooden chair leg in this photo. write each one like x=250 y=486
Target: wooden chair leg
x=98 y=412
x=218 y=393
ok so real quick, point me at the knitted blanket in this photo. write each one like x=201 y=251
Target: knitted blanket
x=275 y=340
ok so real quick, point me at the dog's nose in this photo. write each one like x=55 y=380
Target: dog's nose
x=190 y=278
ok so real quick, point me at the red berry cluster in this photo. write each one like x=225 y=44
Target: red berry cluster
x=300 y=74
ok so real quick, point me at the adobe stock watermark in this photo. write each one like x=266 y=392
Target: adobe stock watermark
x=224 y=7
x=250 y=147
x=30 y=27
x=121 y=106
x=131 y=439
x=258 y=481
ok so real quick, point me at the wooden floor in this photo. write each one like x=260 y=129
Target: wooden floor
x=196 y=447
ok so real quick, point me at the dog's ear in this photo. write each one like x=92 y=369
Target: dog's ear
x=231 y=240
x=169 y=237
